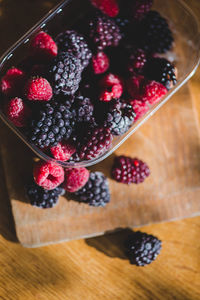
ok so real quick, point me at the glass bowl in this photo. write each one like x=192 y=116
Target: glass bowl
x=185 y=53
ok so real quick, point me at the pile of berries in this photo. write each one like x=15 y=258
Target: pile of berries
x=78 y=90
x=50 y=181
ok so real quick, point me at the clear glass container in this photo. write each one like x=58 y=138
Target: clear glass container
x=185 y=53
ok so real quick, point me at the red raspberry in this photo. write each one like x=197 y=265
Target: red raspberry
x=153 y=91
x=44 y=46
x=75 y=179
x=100 y=63
x=48 y=175
x=108 y=7
x=111 y=87
x=12 y=82
x=63 y=151
x=129 y=170
x=38 y=89
x=139 y=107
x=134 y=85
x=17 y=112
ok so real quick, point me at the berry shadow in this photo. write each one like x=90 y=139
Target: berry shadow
x=112 y=243
x=105 y=166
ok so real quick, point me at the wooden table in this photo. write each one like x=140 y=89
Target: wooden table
x=95 y=268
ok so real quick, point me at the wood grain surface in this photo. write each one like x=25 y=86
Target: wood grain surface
x=170 y=144
x=96 y=268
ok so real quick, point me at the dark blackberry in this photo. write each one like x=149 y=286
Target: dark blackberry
x=135 y=9
x=161 y=70
x=117 y=115
x=72 y=42
x=84 y=109
x=155 y=34
x=96 y=191
x=65 y=74
x=96 y=142
x=142 y=248
x=123 y=24
x=89 y=84
x=104 y=32
x=42 y=198
x=129 y=170
x=52 y=123
x=65 y=100
x=139 y=8
x=137 y=61
x=118 y=60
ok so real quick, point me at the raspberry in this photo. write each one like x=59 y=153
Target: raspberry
x=100 y=63
x=104 y=32
x=129 y=170
x=161 y=70
x=139 y=8
x=38 y=89
x=97 y=142
x=118 y=116
x=134 y=86
x=137 y=61
x=48 y=175
x=17 y=112
x=75 y=179
x=65 y=74
x=44 y=46
x=153 y=91
x=72 y=42
x=12 y=82
x=42 y=198
x=139 y=107
x=142 y=248
x=155 y=35
x=112 y=87
x=96 y=191
x=63 y=151
x=50 y=124
x=108 y=7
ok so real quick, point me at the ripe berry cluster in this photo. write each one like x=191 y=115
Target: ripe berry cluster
x=78 y=90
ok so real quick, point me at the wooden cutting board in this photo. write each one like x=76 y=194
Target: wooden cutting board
x=169 y=142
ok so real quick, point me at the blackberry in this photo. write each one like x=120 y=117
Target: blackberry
x=155 y=34
x=104 y=32
x=72 y=42
x=118 y=60
x=142 y=248
x=96 y=142
x=137 y=61
x=42 y=198
x=123 y=24
x=96 y=191
x=139 y=8
x=83 y=109
x=65 y=74
x=118 y=116
x=129 y=170
x=161 y=70
x=52 y=123
x=135 y=9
